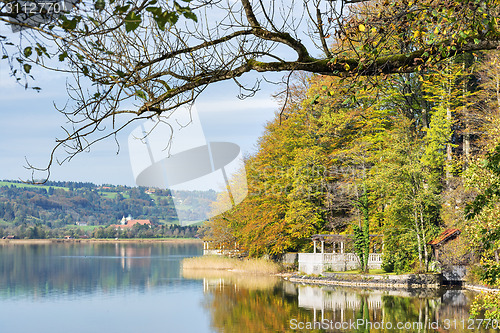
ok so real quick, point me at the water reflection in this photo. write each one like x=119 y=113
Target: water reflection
x=59 y=284
x=239 y=303
x=66 y=268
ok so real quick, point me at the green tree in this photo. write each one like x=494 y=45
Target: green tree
x=362 y=234
x=412 y=201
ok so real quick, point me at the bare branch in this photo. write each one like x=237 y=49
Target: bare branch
x=152 y=70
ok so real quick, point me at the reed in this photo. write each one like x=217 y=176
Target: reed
x=249 y=266
x=247 y=281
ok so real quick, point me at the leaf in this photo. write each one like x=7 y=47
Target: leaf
x=122 y=9
x=28 y=51
x=132 y=21
x=63 y=56
x=362 y=27
x=141 y=94
x=315 y=99
x=99 y=5
x=70 y=24
x=155 y=10
x=166 y=17
x=190 y=15
x=27 y=68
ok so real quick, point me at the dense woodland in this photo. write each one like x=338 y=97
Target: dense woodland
x=405 y=157
x=55 y=209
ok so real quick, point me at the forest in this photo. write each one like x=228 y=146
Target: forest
x=59 y=209
x=406 y=157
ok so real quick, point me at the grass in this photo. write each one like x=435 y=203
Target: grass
x=84 y=228
x=24 y=185
x=113 y=195
x=194 y=223
x=108 y=195
x=250 y=266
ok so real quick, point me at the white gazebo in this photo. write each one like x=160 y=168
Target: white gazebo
x=336 y=259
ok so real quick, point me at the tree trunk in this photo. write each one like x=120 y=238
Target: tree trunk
x=465 y=114
x=366 y=234
x=417 y=231
x=426 y=254
x=448 y=145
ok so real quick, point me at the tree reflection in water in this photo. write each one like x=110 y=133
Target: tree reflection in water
x=239 y=303
x=41 y=270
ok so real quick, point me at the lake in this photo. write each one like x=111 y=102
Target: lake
x=140 y=287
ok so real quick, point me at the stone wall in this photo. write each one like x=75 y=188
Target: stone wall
x=290 y=258
x=311 y=263
x=454 y=274
x=386 y=281
x=317 y=263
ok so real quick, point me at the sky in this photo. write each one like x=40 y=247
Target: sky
x=29 y=124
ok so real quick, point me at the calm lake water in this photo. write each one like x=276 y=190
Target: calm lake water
x=92 y=287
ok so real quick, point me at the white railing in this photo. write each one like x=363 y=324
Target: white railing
x=339 y=257
x=316 y=263
x=350 y=257
x=375 y=258
x=221 y=252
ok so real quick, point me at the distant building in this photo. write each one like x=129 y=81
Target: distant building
x=82 y=224
x=150 y=191
x=452 y=260
x=128 y=222
x=444 y=238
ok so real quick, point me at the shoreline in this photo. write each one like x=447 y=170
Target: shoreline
x=398 y=282
x=403 y=281
x=479 y=288
x=98 y=240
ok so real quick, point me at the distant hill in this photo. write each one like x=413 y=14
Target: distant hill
x=59 y=204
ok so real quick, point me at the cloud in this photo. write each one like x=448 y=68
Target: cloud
x=233 y=105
